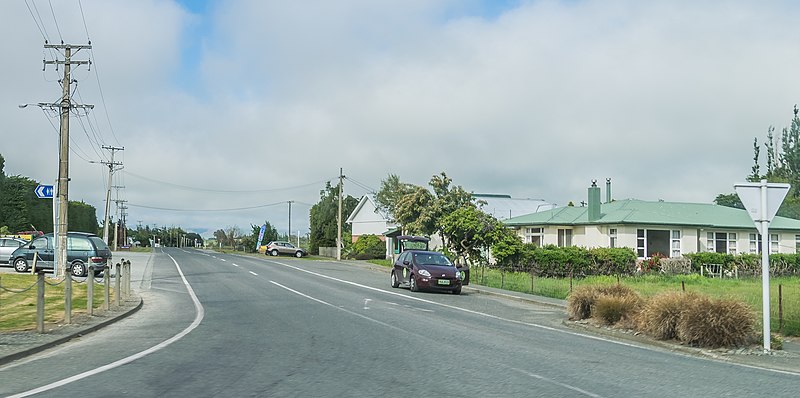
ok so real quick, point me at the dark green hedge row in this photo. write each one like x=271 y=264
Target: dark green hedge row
x=554 y=261
x=748 y=264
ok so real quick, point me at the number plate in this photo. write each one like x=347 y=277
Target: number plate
x=444 y=281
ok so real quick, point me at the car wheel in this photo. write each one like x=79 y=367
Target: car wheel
x=78 y=269
x=413 y=281
x=395 y=282
x=457 y=291
x=274 y=252
x=20 y=265
x=298 y=254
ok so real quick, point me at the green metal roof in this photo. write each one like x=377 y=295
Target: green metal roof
x=632 y=211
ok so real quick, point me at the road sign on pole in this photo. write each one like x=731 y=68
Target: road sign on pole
x=44 y=191
x=762 y=201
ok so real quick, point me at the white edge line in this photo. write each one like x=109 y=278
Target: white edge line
x=552 y=329
x=200 y=313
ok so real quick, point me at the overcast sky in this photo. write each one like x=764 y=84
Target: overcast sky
x=247 y=105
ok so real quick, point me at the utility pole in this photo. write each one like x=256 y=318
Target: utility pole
x=63 y=159
x=289 y=236
x=119 y=212
x=339 y=217
x=110 y=165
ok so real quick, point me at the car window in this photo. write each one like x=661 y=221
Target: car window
x=431 y=259
x=98 y=243
x=41 y=243
x=78 y=243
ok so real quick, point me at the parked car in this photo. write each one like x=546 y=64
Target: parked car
x=275 y=248
x=83 y=250
x=7 y=246
x=426 y=270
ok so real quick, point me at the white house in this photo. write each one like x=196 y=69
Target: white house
x=667 y=228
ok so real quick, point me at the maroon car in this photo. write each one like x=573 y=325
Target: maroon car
x=426 y=270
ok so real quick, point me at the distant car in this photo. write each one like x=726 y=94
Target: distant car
x=7 y=246
x=275 y=248
x=83 y=250
x=426 y=270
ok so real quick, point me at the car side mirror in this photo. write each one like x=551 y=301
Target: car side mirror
x=32 y=247
x=405 y=262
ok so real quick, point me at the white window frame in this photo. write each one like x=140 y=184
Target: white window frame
x=612 y=237
x=729 y=238
x=530 y=233
x=774 y=243
x=675 y=243
x=564 y=237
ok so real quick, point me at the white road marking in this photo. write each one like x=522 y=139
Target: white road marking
x=235 y=265
x=253 y=273
x=552 y=329
x=200 y=313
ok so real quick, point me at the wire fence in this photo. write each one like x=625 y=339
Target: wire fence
x=28 y=301
x=784 y=290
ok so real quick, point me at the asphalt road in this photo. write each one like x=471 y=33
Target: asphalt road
x=232 y=326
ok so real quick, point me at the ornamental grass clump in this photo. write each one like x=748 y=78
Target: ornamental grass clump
x=716 y=323
x=582 y=302
x=612 y=309
x=660 y=315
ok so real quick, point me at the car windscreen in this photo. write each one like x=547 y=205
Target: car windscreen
x=99 y=243
x=432 y=259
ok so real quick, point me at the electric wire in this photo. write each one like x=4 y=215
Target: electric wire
x=44 y=36
x=188 y=188
x=56 y=21
x=362 y=185
x=80 y=5
x=208 y=210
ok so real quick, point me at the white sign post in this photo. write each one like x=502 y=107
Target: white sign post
x=762 y=201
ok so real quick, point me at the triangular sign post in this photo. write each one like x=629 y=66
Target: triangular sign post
x=762 y=200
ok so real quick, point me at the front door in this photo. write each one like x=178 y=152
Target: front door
x=42 y=250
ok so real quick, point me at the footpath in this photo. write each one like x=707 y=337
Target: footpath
x=17 y=345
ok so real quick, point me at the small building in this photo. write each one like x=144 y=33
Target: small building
x=670 y=229
x=368 y=219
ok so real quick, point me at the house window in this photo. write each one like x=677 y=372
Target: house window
x=640 y=243
x=774 y=241
x=612 y=237
x=564 y=237
x=721 y=242
x=676 y=244
x=797 y=243
x=535 y=236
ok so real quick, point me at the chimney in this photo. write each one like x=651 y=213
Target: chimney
x=594 y=202
x=608 y=190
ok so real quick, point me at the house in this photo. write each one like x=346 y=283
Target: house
x=667 y=228
x=368 y=219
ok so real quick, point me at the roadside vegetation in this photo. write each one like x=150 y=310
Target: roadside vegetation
x=18 y=301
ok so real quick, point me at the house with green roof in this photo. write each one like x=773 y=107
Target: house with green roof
x=667 y=228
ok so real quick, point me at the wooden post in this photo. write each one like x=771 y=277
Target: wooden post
x=90 y=292
x=780 y=308
x=67 y=294
x=107 y=284
x=117 y=298
x=40 y=301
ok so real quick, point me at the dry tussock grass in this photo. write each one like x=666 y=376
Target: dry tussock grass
x=715 y=323
x=613 y=309
x=660 y=315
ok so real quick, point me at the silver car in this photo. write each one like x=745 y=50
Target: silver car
x=7 y=246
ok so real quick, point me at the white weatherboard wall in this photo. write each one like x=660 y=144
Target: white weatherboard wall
x=367 y=220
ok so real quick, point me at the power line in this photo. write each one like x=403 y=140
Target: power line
x=188 y=188
x=84 y=22
x=208 y=210
x=56 y=21
x=44 y=36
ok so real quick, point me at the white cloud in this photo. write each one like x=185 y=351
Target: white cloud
x=663 y=97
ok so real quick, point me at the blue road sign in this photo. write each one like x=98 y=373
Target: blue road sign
x=44 y=191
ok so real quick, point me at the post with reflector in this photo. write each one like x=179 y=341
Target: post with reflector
x=762 y=201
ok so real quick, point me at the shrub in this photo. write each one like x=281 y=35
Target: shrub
x=660 y=315
x=676 y=265
x=368 y=247
x=715 y=323
x=580 y=302
x=612 y=309
x=616 y=290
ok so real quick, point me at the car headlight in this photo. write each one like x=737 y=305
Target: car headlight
x=459 y=274
x=424 y=272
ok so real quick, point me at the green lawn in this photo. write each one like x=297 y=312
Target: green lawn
x=18 y=307
x=747 y=290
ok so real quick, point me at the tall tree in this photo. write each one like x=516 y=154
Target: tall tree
x=323 y=218
x=392 y=190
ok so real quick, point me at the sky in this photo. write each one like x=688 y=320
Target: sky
x=229 y=110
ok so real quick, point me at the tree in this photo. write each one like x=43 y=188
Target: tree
x=249 y=241
x=323 y=218
x=729 y=200
x=392 y=190
x=469 y=229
